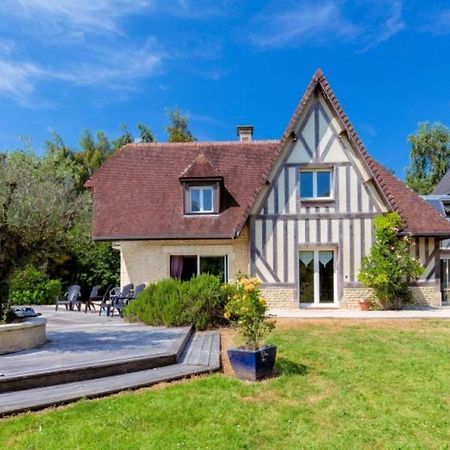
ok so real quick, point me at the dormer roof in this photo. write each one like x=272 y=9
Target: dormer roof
x=201 y=168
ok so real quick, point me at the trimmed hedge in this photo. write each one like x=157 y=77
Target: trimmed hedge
x=199 y=301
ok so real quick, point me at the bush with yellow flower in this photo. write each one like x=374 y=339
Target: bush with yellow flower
x=247 y=309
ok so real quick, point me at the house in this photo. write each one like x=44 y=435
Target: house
x=295 y=212
x=440 y=200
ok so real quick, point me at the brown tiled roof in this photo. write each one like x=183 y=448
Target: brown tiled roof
x=419 y=217
x=138 y=194
x=201 y=167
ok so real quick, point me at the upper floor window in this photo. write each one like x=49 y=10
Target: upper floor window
x=316 y=184
x=201 y=199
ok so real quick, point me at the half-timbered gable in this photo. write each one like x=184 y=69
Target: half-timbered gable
x=290 y=229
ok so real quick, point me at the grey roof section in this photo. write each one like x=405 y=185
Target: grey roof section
x=437 y=205
x=443 y=187
x=441 y=203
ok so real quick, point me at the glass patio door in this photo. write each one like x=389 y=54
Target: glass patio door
x=317 y=277
x=445 y=279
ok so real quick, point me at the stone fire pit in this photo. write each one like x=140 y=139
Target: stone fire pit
x=18 y=336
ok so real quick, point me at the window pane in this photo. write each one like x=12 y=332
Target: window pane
x=306 y=184
x=326 y=276
x=207 y=199
x=195 y=200
x=323 y=184
x=183 y=267
x=306 y=267
x=214 y=265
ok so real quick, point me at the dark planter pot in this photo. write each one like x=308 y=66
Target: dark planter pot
x=253 y=365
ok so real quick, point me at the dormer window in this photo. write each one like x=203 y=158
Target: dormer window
x=201 y=199
x=202 y=183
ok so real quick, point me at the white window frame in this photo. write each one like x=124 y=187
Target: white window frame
x=201 y=189
x=316 y=278
x=225 y=257
x=314 y=182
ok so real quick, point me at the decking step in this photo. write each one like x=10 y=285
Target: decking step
x=41 y=397
x=79 y=372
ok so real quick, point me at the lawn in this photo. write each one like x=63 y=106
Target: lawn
x=342 y=385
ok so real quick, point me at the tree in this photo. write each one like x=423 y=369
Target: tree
x=39 y=204
x=389 y=267
x=145 y=133
x=178 y=129
x=429 y=157
x=124 y=139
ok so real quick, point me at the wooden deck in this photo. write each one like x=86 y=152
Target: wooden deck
x=201 y=355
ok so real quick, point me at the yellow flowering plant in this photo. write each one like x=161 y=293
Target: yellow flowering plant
x=247 y=308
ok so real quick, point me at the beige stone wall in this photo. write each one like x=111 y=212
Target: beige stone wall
x=421 y=295
x=148 y=261
x=352 y=296
x=280 y=298
x=426 y=295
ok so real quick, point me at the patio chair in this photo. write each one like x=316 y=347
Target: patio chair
x=70 y=299
x=95 y=299
x=119 y=301
x=137 y=290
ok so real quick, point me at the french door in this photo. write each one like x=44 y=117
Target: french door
x=445 y=279
x=317 y=277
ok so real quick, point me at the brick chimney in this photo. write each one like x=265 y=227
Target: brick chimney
x=245 y=132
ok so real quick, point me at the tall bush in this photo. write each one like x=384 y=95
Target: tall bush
x=199 y=301
x=389 y=268
x=204 y=299
x=31 y=286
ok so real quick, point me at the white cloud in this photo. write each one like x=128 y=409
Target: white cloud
x=87 y=15
x=300 y=23
x=113 y=67
x=18 y=78
x=438 y=23
x=78 y=42
x=387 y=27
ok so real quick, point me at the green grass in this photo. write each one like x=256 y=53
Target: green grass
x=341 y=386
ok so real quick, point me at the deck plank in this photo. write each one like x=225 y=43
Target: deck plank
x=203 y=347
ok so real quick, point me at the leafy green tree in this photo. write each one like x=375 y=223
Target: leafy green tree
x=125 y=138
x=429 y=157
x=145 y=134
x=39 y=204
x=94 y=152
x=389 y=268
x=178 y=129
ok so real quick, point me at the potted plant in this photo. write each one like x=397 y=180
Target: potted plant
x=248 y=309
x=365 y=305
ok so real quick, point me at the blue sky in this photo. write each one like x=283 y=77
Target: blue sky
x=66 y=65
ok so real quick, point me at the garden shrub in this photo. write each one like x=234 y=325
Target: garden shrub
x=247 y=308
x=389 y=268
x=30 y=286
x=204 y=299
x=199 y=301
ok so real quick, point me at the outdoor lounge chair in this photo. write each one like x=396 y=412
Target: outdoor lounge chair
x=119 y=301
x=95 y=299
x=70 y=299
x=93 y=296
x=137 y=290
